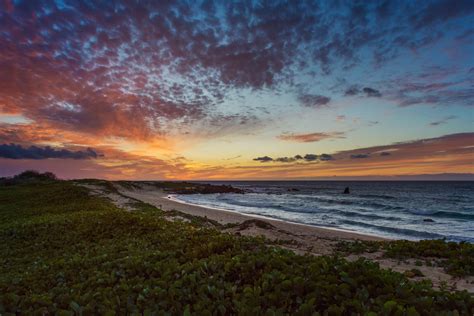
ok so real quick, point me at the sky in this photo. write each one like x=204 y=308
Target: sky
x=243 y=90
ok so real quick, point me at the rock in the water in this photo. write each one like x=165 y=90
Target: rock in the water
x=346 y=190
x=428 y=220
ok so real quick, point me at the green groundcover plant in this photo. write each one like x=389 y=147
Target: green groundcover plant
x=66 y=252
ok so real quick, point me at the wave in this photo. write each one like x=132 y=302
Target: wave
x=453 y=199
x=395 y=230
x=365 y=203
x=301 y=208
x=377 y=196
x=368 y=216
x=444 y=214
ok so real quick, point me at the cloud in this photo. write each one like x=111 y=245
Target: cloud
x=325 y=157
x=443 y=120
x=13 y=151
x=453 y=145
x=232 y=158
x=452 y=153
x=313 y=100
x=352 y=91
x=263 y=159
x=442 y=10
x=446 y=154
x=444 y=97
x=133 y=74
x=371 y=92
x=360 y=156
x=311 y=137
x=310 y=157
x=104 y=68
x=366 y=91
x=296 y=158
x=436 y=86
x=285 y=159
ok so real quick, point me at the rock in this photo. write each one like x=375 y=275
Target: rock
x=428 y=220
x=346 y=190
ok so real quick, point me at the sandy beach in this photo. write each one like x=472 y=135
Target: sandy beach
x=306 y=238
x=300 y=238
x=168 y=202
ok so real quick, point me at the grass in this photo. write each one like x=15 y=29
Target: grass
x=65 y=252
x=457 y=259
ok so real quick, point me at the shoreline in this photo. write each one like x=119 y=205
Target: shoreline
x=303 y=232
x=173 y=198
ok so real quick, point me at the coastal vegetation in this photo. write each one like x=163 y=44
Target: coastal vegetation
x=64 y=251
x=183 y=187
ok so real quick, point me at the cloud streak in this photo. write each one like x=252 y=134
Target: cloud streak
x=443 y=120
x=13 y=151
x=360 y=156
x=311 y=137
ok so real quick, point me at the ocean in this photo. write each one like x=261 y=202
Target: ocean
x=402 y=210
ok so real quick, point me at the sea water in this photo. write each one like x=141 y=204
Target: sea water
x=408 y=210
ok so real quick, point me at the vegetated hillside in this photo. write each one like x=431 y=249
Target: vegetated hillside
x=65 y=252
x=174 y=187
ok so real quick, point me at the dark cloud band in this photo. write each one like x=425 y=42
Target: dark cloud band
x=13 y=151
x=307 y=158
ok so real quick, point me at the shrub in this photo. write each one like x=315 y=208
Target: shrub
x=29 y=176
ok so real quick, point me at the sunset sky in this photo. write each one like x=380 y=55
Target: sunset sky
x=237 y=90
